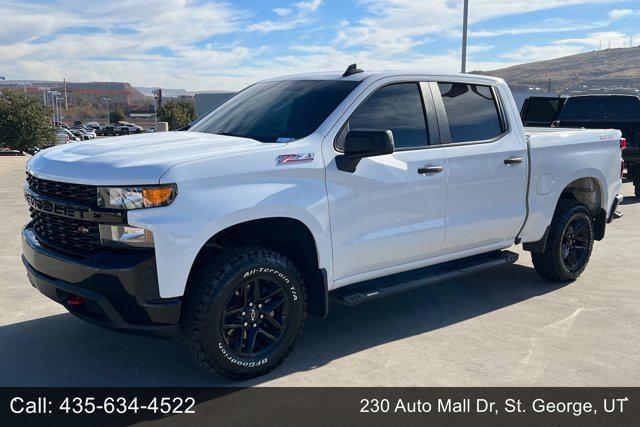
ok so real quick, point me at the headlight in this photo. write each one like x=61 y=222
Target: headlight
x=136 y=197
x=125 y=235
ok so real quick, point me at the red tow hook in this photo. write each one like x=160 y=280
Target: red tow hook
x=75 y=301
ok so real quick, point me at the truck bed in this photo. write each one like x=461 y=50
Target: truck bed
x=560 y=155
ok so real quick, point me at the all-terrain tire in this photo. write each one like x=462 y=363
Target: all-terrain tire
x=552 y=264
x=223 y=279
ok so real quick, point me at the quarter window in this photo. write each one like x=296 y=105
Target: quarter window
x=398 y=108
x=472 y=112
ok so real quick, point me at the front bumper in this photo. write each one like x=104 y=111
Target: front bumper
x=119 y=289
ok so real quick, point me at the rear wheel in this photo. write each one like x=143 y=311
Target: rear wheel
x=244 y=312
x=569 y=243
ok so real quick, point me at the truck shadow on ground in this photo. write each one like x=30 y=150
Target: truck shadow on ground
x=61 y=350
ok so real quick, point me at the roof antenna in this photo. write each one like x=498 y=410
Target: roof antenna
x=351 y=70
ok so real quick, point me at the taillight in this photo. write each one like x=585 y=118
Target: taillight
x=623 y=145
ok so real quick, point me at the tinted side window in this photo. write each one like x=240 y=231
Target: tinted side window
x=397 y=107
x=472 y=112
x=543 y=110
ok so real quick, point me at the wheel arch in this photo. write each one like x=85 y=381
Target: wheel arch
x=587 y=190
x=286 y=235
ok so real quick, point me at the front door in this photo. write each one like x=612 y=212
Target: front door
x=387 y=214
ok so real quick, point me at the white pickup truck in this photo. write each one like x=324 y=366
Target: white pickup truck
x=345 y=186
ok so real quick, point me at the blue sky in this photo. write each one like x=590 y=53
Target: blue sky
x=202 y=45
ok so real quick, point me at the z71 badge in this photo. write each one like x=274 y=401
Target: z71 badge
x=284 y=159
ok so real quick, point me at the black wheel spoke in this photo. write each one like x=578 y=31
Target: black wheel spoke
x=251 y=340
x=245 y=294
x=231 y=326
x=240 y=343
x=273 y=294
x=275 y=323
x=274 y=304
x=256 y=292
x=268 y=335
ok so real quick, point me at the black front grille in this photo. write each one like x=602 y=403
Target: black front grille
x=68 y=234
x=85 y=194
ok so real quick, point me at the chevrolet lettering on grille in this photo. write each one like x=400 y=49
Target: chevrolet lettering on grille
x=54 y=207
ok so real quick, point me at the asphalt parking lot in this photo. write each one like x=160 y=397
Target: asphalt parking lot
x=506 y=327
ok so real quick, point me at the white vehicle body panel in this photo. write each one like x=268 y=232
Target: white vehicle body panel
x=383 y=219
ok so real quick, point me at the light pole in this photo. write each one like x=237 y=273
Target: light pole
x=105 y=99
x=54 y=95
x=44 y=96
x=465 y=19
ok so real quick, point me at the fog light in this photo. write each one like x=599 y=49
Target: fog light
x=125 y=235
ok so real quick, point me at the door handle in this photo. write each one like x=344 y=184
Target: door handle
x=430 y=169
x=513 y=160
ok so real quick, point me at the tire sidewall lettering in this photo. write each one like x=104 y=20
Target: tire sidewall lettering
x=245 y=364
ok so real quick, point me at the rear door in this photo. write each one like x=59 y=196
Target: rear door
x=387 y=215
x=486 y=166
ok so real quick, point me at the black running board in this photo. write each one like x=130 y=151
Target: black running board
x=368 y=290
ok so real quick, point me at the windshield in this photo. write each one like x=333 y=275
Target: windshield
x=280 y=111
x=601 y=108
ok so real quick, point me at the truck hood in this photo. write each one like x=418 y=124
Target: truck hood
x=136 y=159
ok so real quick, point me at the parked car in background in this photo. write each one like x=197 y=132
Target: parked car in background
x=109 y=130
x=63 y=136
x=93 y=126
x=126 y=128
x=541 y=111
x=89 y=131
x=608 y=112
x=80 y=133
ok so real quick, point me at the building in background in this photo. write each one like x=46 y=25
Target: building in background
x=206 y=102
x=96 y=94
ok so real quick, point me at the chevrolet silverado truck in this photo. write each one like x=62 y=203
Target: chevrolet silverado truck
x=304 y=189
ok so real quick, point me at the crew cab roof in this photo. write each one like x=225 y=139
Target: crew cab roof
x=379 y=74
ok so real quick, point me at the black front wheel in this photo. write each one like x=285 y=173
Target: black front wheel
x=243 y=312
x=569 y=243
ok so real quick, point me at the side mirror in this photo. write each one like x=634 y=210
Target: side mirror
x=359 y=144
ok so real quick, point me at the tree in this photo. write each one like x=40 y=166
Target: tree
x=177 y=113
x=116 y=115
x=24 y=122
x=83 y=110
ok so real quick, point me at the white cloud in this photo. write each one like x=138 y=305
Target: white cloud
x=282 y=11
x=603 y=39
x=301 y=14
x=571 y=46
x=529 y=53
x=126 y=31
x=396 y=24
x=621 y=13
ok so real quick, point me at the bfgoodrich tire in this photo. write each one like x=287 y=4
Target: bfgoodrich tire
x=243 y=312
x=569 y=243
